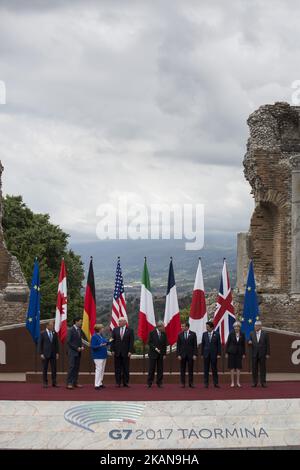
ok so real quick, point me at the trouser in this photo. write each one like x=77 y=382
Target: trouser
x=74 y=364
x=210 y=362
x=45 y=363
x=158 y=364
x=259 y=363
x=187 y=361
x=122 y=369
x=99 y=371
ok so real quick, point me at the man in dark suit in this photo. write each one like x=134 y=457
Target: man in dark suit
x=75 y=348
x=157 y=350
x=260 y=344
x=122 y=346
x=210 y=351
x=187 y=352
x=48 y=349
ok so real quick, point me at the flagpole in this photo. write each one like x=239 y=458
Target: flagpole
x=222 y=346
x=35 y=357
x=144 y=349
x=199 y=345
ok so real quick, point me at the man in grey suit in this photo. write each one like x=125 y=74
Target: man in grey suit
x=260 y=345
x=75 y=348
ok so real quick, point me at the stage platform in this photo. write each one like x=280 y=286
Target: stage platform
x=140 y=392
x=158 y=421
x=140 y=378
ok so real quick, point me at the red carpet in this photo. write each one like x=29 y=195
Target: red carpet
x=138 y=392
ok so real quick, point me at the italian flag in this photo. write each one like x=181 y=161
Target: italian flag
x=146 y=313
x=198 y=313
x=172 y=315
x=89 y=311
x=61 y=304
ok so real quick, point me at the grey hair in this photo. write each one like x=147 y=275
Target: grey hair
x=160 y=323
x=236 y=323
x=258 y=322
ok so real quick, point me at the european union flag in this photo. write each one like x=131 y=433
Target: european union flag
x=251 y=310
x=33 y=312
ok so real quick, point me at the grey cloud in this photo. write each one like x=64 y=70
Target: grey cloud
x=109 y=97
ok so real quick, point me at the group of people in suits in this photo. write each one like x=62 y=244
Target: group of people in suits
x=121 y=345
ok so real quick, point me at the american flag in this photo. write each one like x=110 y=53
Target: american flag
x=224 y=317
x=119 y=304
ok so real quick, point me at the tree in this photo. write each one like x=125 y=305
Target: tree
x=28 y=235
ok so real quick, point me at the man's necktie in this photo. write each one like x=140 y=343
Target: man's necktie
x=50 y=336
x=122 y=333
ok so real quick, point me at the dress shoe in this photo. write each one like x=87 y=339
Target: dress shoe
x=182 y=385
x=191 y=385
x=206 y=386
x=126 y=385
x=78 y=386
x=232 y=385
x=238 y=385
x=45 y=385
x=55 y=385
x=264 y=385
x=254 y=385
x=216 y=386
x=97 y=388
x=159 y=385
x=70 y=387
x=102 y=386
x=118 y=385
x=149 y=385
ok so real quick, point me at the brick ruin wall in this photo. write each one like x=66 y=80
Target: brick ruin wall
x=271 y=166
x=13 y=286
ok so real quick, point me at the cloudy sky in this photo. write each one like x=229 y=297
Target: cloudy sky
x=146 y=100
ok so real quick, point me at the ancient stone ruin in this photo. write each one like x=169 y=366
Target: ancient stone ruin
x=272 y=167
x=13 y=286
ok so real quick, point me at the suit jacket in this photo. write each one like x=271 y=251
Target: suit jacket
x=261 y=348
x=187 y=347
x=213 y=348
x=235 y=347
x=155 y=342
x=46 y=347
x=74 y=341
x=121 y=347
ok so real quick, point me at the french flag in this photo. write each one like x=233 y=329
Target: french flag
x=198 y=313
x=172 y=315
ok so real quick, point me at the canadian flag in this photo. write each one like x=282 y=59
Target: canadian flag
x=61 y=304
x=198 y=313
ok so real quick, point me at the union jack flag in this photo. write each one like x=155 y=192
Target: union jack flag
x=119 y=304
x=224 y=317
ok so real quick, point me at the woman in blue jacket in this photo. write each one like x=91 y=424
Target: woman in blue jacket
x=99 y=353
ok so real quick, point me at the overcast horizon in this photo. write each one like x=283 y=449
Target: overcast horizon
x=140 y=100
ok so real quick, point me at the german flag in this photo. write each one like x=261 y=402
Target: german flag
x=89 y=311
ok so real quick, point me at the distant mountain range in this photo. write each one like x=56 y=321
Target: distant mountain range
x=158 y=252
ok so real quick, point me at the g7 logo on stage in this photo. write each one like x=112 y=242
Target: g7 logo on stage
x=120 y=434
x=295 y=358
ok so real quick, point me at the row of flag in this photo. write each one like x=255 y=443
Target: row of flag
x=223 y=319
